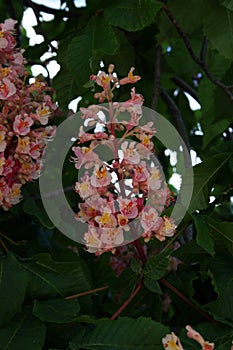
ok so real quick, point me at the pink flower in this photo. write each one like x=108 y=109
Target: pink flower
x=43 y=113
x=167 y=229
x=191 y=333
x=7 y=89
x=23 y=145
x=91 y=239
x=85 y=155
x=149 y=219
x=35 y=150
x=112 y=237
x=172 y=342
x=143 y=151
x=123 y=221
x=130 y=78
x=15 y=194
x=9 y=24
x=21 y=125
x=140 y=172
x=84 y=188
x=106 y=220
x=2 y=162
x=2 y=140
x=3 y=42
x=128 y=207
x=131 y=155
x=155 y=179
x=86 y=213
x=8 y=166
x=101 y=177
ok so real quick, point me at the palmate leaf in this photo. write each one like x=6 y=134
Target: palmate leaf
x=23 y=332
x=213 y=130
x=221 y=268
x=204 y=237
x=66 y=87
x=123 y=333
x=97 y=39
x=132 y=15
x=155 y=267
x=57 y=310
x=13 y=285
x=52 y=279
x=228 y=4
x=204 y=175
x=218 y=27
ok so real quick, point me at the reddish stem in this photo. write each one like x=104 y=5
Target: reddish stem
x=183 y=297
x=86 y=293
x=140 y=251
x=126 y=303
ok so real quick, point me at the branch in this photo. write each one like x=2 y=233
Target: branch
x=4 y=246
x=52 y=11
x=126 y=303
x=157 y=73
x=36 y=11
x=186 y=87
x=140 y=251
x=226 y=88
x=176 y=114
x=183 y=297
x=86 y=293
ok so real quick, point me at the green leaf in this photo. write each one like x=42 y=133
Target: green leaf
x=132 y=15
x=35 y=208
x=224 y=228
x=228 y=4
x=57 y=310
x=13 y=285
x=123 y=58
x=66 y=88
x=152 y=285
x=123 y=333
x=51 y=279
x=23 y=332
x=189 y=252
x=213 y=130
x=204 y=237
x=156 y=266
x=98 y=39
x=34 y=52
x=218 y=27
x=204 y=175
x=221 y=268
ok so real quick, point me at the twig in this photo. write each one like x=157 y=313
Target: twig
x=183 y=297
x=36 y=10
x=226 y=88
x=157 y=73
x=126 y=303
x=3 y=245
x=176 y=114
x=140 y=251
x=46 y=9
x=186 y=87
x=10 y=240
x=203 y=50
x=92 y=291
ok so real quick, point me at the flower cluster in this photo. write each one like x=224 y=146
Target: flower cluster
x=123 y=195
x=172 y=342
x=24 y=113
